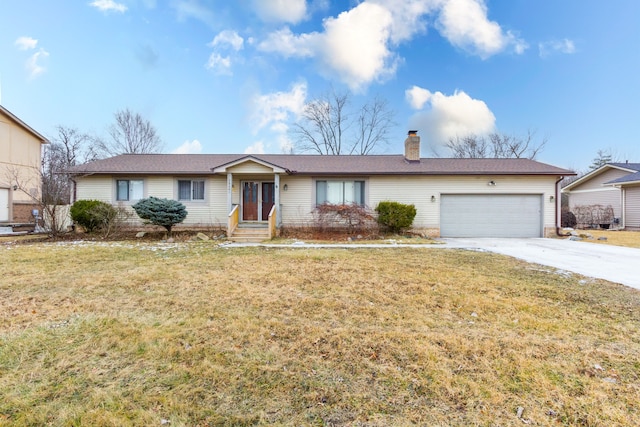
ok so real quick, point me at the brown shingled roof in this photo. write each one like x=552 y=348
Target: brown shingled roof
x=203 y=164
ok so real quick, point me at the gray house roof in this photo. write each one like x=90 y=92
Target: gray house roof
x=203 y=164
x=632 y=178
x=627 y=167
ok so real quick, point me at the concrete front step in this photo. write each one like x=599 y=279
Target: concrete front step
x=251 y=234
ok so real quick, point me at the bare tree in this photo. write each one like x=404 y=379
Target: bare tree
x=329 y=127
x=496 y=145
x=130 y=134
x=69 y=147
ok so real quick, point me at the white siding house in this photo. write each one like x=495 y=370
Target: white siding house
x=616 y=185
x=250 y=187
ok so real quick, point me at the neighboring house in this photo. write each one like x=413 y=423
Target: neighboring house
x=453 y=197
x=613 y=184
x=20 y=157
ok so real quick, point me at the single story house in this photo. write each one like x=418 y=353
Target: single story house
x=20 y=159
x=453 y=197
x=613 y=184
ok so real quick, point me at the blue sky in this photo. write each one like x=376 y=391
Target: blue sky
x=215 y=76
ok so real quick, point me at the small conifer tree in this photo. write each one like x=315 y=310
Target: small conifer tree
x=163 y=212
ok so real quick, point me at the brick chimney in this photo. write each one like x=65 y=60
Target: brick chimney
x=412 y=147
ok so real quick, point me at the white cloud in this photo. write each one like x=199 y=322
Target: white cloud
x=565 y=46
x=466 y=25
x=408 y=16
x=357 y=46
x=449 y=116
x=417 y=97
x=189 y=147
x=288 y=44
x=228 y=38
x=26 y=43
x=274 y=109
x=226 y=41
x=108 y=5
x=352 y=48
x=34 y=63
x=257 y=148
x=289 y=11
x=187 y=9
x=219 y=64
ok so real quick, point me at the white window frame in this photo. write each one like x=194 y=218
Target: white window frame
x=130 y=190
x=344 y=190
x=191 y=189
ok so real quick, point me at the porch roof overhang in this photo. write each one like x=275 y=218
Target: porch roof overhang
x=224 y=168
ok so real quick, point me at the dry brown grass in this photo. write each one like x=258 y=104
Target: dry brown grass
x=195 y=334
x=630 y=239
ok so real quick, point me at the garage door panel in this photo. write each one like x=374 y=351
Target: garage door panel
x=491 y=215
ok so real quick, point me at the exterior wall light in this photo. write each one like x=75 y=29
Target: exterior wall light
x=286 y=187
x=15 y=187
x=433 y=198
x=491 y=183
x=551 y=198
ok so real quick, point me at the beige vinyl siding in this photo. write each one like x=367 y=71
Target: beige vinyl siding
x=250 y=168
x=604 y=196
x=162 y=187
x=298 y=202
x=96 y=188
x=596 y=183
x=632 y=207
x=418 y=191
x=20 y=155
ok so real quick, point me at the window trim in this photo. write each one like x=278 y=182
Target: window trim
x=364 y=191
x=128 y=181
x=191 y=181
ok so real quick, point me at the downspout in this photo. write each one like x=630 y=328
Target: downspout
x=558 y=213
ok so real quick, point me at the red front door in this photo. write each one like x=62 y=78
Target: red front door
x=268 y=199
x=250 y=201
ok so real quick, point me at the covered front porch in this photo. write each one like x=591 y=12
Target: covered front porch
x=253 y=199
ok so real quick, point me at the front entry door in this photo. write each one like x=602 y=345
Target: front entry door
x=250 y=201
x=268 y=199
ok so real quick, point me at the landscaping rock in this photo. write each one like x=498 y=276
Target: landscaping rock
x=140 y=234
x=602 y=238
x=575 y=238
x=202 y=237
x=170 y=240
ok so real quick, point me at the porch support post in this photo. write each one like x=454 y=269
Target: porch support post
x=277 y=200
x=229 y=192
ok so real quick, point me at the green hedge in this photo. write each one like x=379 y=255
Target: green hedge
x=395 y=216
x=92 y=215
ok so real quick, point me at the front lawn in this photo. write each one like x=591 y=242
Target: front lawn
x=188 y=334
x=630 y=239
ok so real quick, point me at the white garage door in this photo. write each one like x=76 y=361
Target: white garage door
x=491 y=215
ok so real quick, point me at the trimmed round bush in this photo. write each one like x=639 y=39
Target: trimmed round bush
x=91 y=214
x=395 y=216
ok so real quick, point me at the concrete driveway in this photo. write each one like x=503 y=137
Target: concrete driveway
x=613 y=263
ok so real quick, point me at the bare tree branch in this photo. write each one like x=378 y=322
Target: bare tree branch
x=131 y=134
x=329 y=127
x=495 y=145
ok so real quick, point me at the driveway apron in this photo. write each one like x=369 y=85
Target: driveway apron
x=613 y=263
